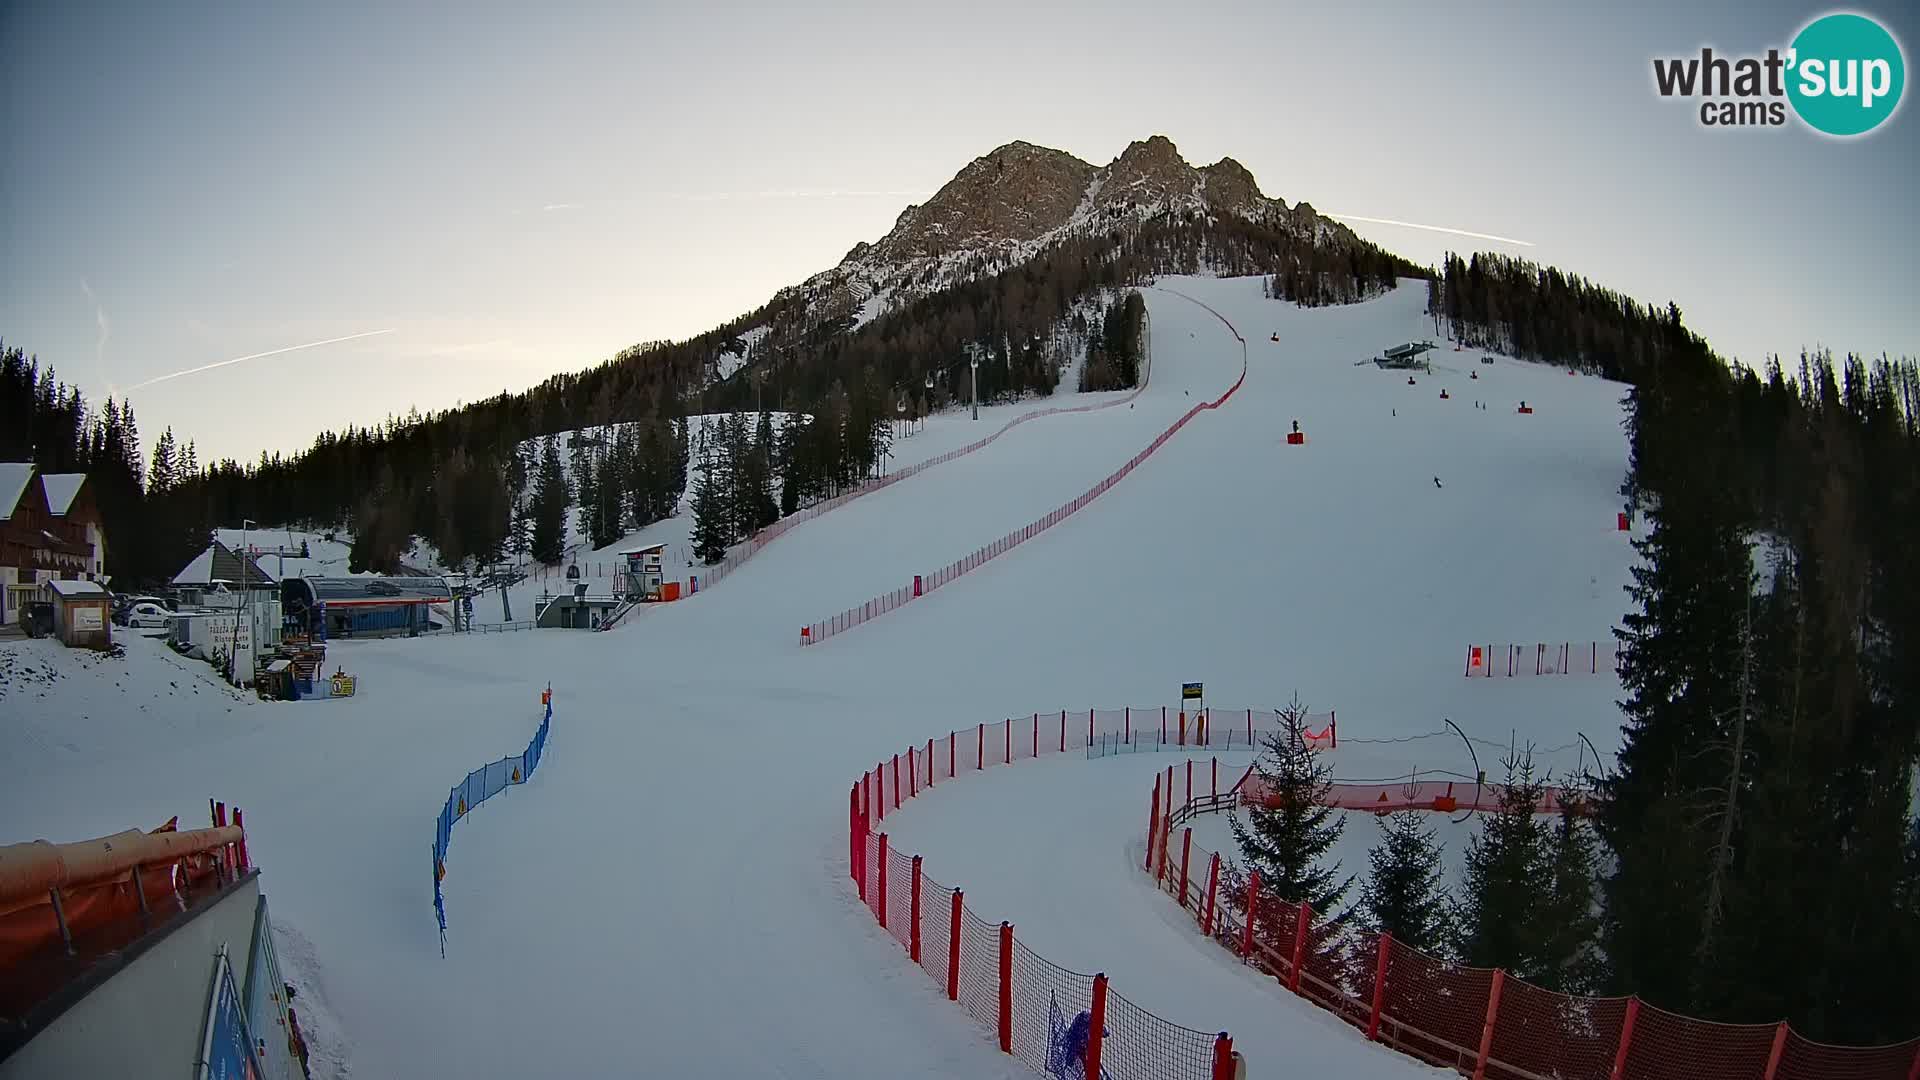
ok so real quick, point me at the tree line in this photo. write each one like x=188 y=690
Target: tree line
x=1521 y=309
x=1754 y=852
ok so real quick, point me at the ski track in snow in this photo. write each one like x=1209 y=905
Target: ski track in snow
x=668 y=894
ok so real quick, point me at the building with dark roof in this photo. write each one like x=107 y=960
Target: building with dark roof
x=49 y=528
x=319 y=608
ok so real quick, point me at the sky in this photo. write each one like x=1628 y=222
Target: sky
x=479 y=196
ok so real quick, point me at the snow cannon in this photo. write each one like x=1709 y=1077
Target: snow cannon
x=1296 y=437
x=1526 y=409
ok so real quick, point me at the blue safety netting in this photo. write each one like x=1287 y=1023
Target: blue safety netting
x=480 y=785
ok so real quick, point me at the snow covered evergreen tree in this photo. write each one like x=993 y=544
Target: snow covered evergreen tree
x=1287 y=836
x=1405 y=895
x=1501 y=918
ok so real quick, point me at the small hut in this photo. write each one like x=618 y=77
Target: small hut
x=81 y=619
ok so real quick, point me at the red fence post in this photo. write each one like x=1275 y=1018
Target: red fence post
x=1127 y=722
x=1186 y=853
x=896 y=781
x=1097 y=1028
x=1222 y=1057
x=1183 y=727
x=1333 y=725
x=913 y=925
x=950 y=755
x=1009 y=741
x=240 y=845
x=1379 y=987
x=853 y=838
x=1163 y=725
x=1153 y=822
x=1486 y=1031
x=1036 y=735
x=913 y=776
x=1189 y=801
x=1779 y=1047
x=1253 y=904
x=1914 y=1073
x=1215 y=790
x=1302 y=923
x=1166 y=836
x=980 y=761
x=953 y=948
x=883 y=879
x=1006 y=988
x=877 y=798
x=1063 y=731
x=1626 y=1040
x=1090 y=727
x=930 y=768
x=1213 y=892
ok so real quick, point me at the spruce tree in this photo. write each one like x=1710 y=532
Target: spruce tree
x=1571 y=961
x=586 y=486
x=550 y=501
x=1405 y=895
x=710 y=510
x=1499 y=921
x=1288 y=832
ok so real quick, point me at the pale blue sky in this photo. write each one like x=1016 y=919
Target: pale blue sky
x=520 y=190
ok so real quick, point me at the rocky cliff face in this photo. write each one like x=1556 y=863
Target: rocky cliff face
x=1003 y=208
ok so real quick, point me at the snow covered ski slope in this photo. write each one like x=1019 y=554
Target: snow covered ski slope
x=668 y=895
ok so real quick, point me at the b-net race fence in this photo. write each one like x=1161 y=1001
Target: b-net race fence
x=1542 y=658
x=1482 y=1022
x=924 y=584
x=480 y=785
x=711 y=575
x=1060 y=1023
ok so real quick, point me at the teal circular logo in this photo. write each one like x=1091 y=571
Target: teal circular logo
x=1845 y=74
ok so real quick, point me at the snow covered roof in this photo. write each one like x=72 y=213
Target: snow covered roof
x=220 y=563
x=197 y=572
x=72 y=589
x=61 y=488
x=14 y=477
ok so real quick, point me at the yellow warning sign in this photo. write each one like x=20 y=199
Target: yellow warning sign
x=462 y=811
x=516 y=776
x=439 y=871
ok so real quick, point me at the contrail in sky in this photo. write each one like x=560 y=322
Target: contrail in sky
x=1431 y=228
x=253 y=356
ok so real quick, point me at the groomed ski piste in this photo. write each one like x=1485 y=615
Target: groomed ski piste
x=669 y=894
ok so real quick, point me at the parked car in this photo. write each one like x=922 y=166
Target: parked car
x=147 y=613
x=124 y=602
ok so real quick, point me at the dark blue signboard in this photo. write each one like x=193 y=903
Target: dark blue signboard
x=227 y=1051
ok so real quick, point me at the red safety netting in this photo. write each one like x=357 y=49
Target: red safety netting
x=936 y=926
x=994 y=976
x=1044 y=994
x=1452 y=1016
x=980 y=970
x=1142 y=1046
x=1667 y=1046
x=926 y=583
x=899 y=896
x=1804 y=1059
